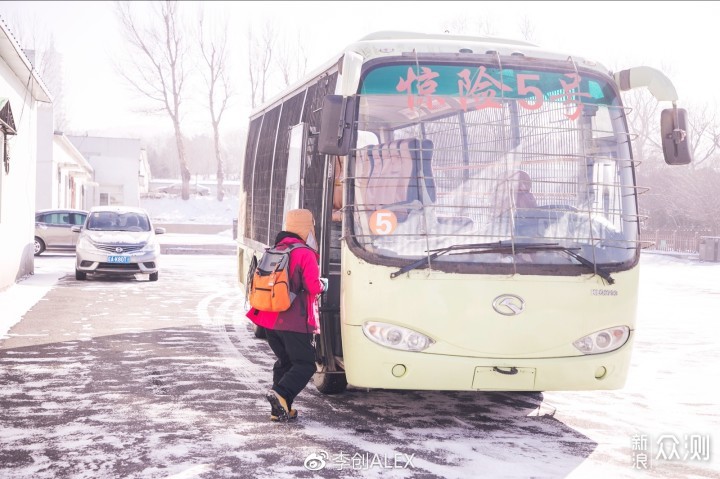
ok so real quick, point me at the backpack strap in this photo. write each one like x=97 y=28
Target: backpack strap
x=292 y=247
x=250 y=276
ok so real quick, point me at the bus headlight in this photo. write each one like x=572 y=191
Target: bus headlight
x=603 y=341
x=396 y=337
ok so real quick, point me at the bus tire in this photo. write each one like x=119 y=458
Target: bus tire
x=330 y=383
x=259 y=331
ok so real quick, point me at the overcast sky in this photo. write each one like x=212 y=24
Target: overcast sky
x=672 y=36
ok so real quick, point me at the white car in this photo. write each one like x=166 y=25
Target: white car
x=117 y=240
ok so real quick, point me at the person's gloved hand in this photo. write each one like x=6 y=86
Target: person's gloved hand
x=324 y=282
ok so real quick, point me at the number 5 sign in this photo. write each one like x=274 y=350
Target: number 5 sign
x=383 y=222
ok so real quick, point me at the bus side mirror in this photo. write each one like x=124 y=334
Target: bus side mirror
x=675 y=142
x=336 y=123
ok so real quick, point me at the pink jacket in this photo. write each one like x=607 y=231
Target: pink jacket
x=302 y=317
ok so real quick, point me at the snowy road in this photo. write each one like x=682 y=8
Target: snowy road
x=164 y=380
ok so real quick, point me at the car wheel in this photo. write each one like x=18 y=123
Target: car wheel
x=154 y=276
x=39 y=246
x=80 y=275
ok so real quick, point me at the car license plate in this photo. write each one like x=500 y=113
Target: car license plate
x=118 y=259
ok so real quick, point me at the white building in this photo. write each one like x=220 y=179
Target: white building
x=26 y=132
x=120 y=165
x=144 y=173
x=65 y=179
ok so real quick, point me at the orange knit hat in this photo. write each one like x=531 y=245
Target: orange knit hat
x=300 y=222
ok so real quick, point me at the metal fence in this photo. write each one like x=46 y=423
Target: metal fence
x=678 y=241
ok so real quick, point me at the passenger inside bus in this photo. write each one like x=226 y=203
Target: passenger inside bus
x=522 y=184
x=514 y=193
x=528 y=221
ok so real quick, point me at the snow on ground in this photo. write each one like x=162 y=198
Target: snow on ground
x=206 y=210
x=16 y=300
x=79 y=426
x=668 y=395
x=196 y=210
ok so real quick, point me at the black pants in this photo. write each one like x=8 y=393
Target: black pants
x=295 y=365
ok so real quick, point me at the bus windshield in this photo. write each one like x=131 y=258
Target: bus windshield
x=453 y=153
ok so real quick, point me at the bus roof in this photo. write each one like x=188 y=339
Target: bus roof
x=403 y=35
x=386 y=43
x=393 y=43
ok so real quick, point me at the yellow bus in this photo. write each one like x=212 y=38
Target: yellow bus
x=476 y=207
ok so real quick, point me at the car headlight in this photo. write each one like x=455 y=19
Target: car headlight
x=603 y=341
x=84 y=243
x=396 y=337
x=150 y=247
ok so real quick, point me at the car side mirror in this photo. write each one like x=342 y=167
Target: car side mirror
x=76 y=229
x=159 y=230
x=675 y=141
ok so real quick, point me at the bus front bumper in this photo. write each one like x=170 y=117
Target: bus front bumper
x=369 y=365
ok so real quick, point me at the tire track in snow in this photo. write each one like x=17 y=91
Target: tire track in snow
x=243 y=369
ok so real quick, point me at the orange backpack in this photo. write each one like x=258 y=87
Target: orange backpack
x=270 y=284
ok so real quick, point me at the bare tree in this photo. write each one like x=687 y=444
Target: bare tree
x=292 y=60
x=704 y=134
x=678 y=197
x=259 y=61
x=253 y=73
x=527 y=28
x=158 y=70
x=456 y=26
x=681 y=197
x=644 y=121
x=484 y=27
x=213 y=46
x=462 y=25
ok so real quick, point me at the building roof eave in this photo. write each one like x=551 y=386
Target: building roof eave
x=18 y=62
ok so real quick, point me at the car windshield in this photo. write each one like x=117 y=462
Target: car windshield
x=113 y=221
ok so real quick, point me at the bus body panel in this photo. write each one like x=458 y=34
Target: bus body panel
x=373 y=366
x=443 y=126
x=457 y=310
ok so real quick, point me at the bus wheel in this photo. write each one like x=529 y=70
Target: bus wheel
x=330 y=382
x=259 y=331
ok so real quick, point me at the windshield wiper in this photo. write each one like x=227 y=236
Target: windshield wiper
x=439 y=252
x=504 y=247
x=584 y=261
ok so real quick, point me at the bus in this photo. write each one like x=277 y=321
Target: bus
x=476 y=208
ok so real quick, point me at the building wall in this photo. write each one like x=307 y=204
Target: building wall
x=116 y=162
x=45 y=177
x=71 y=175
x=17 y=188
x=144 y=175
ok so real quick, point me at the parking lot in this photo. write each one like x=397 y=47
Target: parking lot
x=131 y=378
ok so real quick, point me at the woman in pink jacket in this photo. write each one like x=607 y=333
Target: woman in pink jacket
x=290 y=333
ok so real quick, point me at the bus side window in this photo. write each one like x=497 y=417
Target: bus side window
x=364 y=166
x=337 y=191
